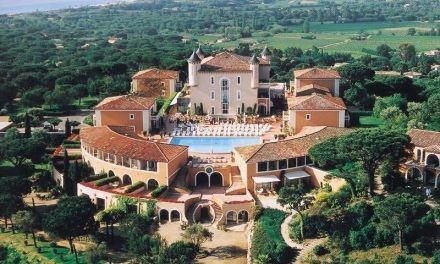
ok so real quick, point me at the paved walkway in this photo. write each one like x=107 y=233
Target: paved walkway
x=285 y=233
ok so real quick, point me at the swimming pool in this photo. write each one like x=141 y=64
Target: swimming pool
x=214 y=144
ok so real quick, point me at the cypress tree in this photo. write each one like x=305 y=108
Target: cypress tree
x=68 y=128
x=66 y=178
x=27 y=126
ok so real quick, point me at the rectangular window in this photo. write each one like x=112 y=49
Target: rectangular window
x=163 y=93
x=238 y=79
x=133 y=128
x=292 y=162
x=308 y=116
x=238 y=110
x=282 y=164
x=273 y=165
x=301 y=161
x=212 y=110
x=309 y=160
x=131 y=116
x=262 y=166
x=212 y=95
x=238 y=95
x=212 y=80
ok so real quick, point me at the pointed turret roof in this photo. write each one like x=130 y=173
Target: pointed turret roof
x=266 y=51
x=254 y=60
x=200 y=52
x=194 y=58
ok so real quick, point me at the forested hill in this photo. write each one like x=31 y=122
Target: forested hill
x=95 y=50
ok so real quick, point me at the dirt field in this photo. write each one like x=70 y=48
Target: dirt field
x=226 y=247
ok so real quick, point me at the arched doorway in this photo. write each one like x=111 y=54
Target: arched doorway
x=414 y=175
x=216 y=179
x=243 y=216
x=111 y=173
x=202 y=179
x=175 y=216
x=164 y=216
x=152 y=184
x=205 y=214
x=432 y=160
x=126 y=180
x=231 y=217
x=262 y=110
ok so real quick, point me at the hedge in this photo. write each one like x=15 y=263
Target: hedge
x=158 y=191
x=72 y=146
x=134 y=187
x=105 y=181
x=267 y=238
x=96 y=177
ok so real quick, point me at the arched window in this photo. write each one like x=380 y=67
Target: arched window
x=126 y=180
x=225 y=96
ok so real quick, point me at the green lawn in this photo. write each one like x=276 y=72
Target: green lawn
x=370 y=121
x=47 y=255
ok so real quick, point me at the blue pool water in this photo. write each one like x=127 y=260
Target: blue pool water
x=214 y=144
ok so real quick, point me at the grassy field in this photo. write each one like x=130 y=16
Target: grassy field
x=336 y=37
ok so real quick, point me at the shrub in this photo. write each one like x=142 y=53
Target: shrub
x=96 y=177
x=134 y=187
x=158 y=191
x=88 y=120
x=105 y=181
x=320 y=250
x=436 y=257
x=267 y=239
x=96 y=254
x=314 y=225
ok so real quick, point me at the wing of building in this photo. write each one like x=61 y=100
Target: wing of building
x=275 y=158
x=155 y=82
x=314 y=100
x=127 y=110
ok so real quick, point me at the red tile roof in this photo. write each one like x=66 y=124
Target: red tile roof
x=290 y=148
x=312 y=88
x=124 y=142
x=227 y=62
x=425 y=139
x=155 y=73
x=316 y=102
x=126 y=102
x=316 y=73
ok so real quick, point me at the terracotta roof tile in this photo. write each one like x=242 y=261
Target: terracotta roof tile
x=290 y=148
x=121 y=141
x=312 y=88
x=227 y=62
x=316 y=73
x=316 y=102
x=126 y=102
x=424 y=138
x=155 y=73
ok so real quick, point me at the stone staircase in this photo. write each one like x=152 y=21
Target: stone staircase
x=237 y=186
x=179 y=183
x=218 y=213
